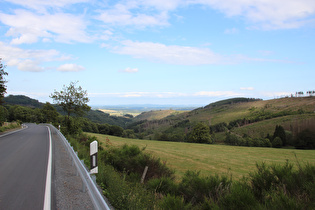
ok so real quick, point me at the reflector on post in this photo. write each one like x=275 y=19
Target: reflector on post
x=93 y=157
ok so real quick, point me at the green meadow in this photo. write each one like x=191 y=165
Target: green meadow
x=212 y=159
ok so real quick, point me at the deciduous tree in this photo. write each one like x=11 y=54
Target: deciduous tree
x=201 y=134
x=3 y=88
x=73 y=100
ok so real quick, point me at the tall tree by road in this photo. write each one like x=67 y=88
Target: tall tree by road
x=73 y=100
x=3 y=88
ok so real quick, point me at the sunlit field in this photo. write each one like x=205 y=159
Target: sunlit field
x=212 y=159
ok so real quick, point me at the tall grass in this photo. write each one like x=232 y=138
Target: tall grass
x=9 y=126
x=270 y=186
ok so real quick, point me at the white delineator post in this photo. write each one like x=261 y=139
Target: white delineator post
x=93 y=157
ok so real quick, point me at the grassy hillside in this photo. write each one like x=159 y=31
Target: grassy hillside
x=212 y=159
x=157 y=114
x=230 y=112
x=251 y=111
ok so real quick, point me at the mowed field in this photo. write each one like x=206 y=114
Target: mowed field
x=212 y=159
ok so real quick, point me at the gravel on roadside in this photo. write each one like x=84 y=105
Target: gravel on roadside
x=67 y=185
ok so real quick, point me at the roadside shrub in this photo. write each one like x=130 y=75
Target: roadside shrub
x=195 y=188
x=174 y=202
x=280 y=200
x=239 y=197
x=132 y=159
x=123 y=195
x=163 y=185
x=280 y=184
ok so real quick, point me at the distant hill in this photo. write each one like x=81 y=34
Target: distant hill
x=235 y=113
x=232 y=101
x=22 y=101
x=157 y=114
x=93 y=115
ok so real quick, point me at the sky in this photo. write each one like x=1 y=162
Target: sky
x=181 y=52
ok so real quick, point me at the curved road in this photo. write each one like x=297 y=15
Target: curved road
x=23 y=168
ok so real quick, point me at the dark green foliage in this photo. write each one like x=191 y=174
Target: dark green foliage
x=277 y=142
x=220 y=127
x=305 y=140
x=174 y=202
x=100 y=117
x=200 y=134
x=129 y=133
x=49 y=112
x=4 y=115
x=3 y=88
x=95 y=116
x=163 y=185
x=195 y=189
x=240 y=197
x=22 y=101
x=279 y=132
x=132 y=159
x=116 y=130
x=232 y=139
x=280 y=186
x=121 y=193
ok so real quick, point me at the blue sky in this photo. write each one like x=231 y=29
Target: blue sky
x=159 y=51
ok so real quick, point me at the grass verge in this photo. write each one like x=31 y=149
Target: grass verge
x=212 y=159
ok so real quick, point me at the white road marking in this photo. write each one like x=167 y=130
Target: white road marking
x=47 y=201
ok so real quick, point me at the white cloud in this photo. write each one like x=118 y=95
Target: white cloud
x=70 y=67
x=267 y=14
x=164 y=5
x=28 y=60
x=30 y=65
x=172 y=54
x=130 y=70
x=121 y=14
x=260 y=14
x=28 y=27
x=41 y=5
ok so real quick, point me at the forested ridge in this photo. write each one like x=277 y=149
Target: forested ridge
x=236 y=121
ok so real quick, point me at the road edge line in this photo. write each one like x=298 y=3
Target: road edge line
x=47 y=199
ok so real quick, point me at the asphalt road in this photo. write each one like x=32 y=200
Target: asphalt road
x=23 y=168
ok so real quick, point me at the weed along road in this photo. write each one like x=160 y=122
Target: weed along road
x=25 y=161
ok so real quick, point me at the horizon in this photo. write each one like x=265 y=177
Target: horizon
x=170 y=106
x=158 y=52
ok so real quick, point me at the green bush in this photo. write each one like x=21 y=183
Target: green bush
x=305 y=140
x=269 y=187
x=239 y=197
x=174 y=203
x=277 y=142
x=280 y=200
x=276 y=183
x=195 y=188
x=132 y=159
x=122 y=194
x=163 y=185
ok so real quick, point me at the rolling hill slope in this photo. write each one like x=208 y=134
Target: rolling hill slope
x=236 y=113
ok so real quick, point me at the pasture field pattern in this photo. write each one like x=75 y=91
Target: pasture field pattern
x=212 y=159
